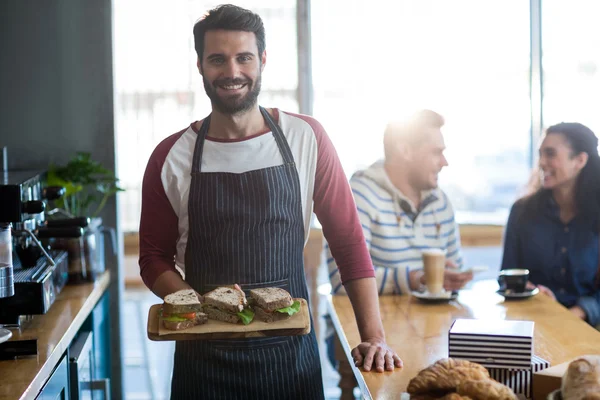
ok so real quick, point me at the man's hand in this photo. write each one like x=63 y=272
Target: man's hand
x=376 y=353
x=454 y=280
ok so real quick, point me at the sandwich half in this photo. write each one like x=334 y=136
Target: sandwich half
x=228 y=304
x=182 y=310
x=273 y=304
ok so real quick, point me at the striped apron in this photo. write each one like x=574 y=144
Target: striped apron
x=247 y=228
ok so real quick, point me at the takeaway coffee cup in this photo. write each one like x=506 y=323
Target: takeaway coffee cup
x=513 y=280
x=434 y=261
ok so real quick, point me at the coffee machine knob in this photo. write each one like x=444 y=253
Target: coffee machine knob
x=53 y=192
x=33 y=207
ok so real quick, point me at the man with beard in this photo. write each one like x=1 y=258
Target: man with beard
x=403 y=211
x=229 y=200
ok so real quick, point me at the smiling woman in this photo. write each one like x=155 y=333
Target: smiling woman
x=555 y=232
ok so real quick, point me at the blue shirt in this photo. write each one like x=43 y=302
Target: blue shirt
x=562 y=257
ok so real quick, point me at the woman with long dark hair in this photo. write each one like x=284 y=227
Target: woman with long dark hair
x=554 y=232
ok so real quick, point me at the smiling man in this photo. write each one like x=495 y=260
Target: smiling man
x=229 y=200
x=403 y=211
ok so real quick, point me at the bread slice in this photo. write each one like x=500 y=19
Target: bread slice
x=182 y=302
x=201 y=318
x=271 y=298
x=266 y=316
x=226 y=299
x=220 y=315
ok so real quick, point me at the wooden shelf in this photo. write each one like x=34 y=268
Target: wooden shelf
x=24 y=377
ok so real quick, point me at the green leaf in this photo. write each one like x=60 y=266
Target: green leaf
x=246 y=315
x=173 y=318
x=291 y=310
x=88 y=184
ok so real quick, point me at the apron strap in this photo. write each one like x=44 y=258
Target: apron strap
x=199 y=146
x=282 y=144
x=284 y=148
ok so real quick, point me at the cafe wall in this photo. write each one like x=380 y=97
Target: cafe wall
x=56 y=95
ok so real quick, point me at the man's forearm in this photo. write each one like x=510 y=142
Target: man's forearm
x=365 y=302
x=167 y=283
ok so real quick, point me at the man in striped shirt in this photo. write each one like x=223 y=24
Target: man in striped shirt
x=402 y=210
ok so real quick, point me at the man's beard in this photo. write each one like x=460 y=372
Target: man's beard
x=234 y=104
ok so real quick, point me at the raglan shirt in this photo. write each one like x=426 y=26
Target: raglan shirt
x=164 y=225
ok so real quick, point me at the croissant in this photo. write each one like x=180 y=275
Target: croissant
x=485 y=389
x=445 y=375
x=439 y=396
x=455 y=396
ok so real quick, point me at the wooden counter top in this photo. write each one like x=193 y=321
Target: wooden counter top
x=418 y=332
x=23 y=378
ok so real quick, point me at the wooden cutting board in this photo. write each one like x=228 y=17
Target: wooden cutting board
x=297 y=324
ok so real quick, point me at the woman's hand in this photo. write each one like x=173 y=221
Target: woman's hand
x=578 y=311
x=543 y=289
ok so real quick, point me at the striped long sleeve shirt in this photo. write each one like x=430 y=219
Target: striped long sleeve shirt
x=395 y=233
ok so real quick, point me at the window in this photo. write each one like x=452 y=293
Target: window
x=157 y=86
x=571 y=62
x=372 y=62
x=381 y=60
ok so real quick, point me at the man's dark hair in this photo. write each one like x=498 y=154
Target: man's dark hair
x=230 y=18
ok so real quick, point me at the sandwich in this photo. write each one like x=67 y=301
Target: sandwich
x=273 y=304
x=228 y=304
x=182 y=310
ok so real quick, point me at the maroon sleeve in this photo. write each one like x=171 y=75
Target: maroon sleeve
x=158 y=223
x=335 y=208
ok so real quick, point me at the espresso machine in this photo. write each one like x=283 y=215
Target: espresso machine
x=7 y=287
x=38 y=273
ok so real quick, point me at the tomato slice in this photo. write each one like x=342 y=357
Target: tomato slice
x=191 y=315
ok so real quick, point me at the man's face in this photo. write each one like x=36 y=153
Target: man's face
x=427 y=160
x=231 y=70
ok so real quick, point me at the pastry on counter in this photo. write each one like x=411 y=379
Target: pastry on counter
x=445 y=375
x=487 y=389
x=452 y=379
x=582 y=379
x=449 y=396
x=455 y=396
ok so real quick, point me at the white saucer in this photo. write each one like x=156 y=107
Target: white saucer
x=519 y=296
x=439 y=297
x=5 y=334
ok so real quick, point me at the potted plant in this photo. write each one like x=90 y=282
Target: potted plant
x=88 y=186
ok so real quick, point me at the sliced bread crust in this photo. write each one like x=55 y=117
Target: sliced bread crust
x=201 y=318
x=225 y=298
x=271 y=298
x=181 y=309
x=266 y=316
x=220 y=315
x=182 y=301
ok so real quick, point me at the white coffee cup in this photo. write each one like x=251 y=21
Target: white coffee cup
x=434 y=262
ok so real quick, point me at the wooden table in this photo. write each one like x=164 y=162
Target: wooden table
x=418 y=332
x=24 y=377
